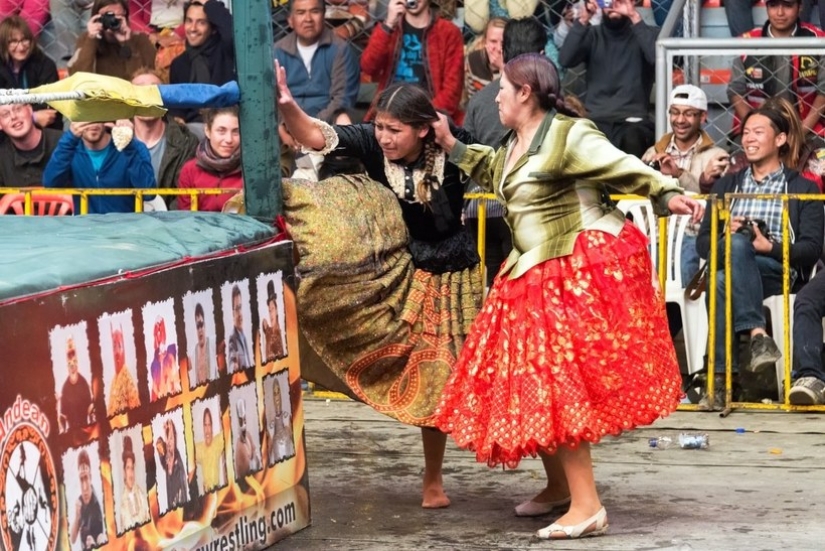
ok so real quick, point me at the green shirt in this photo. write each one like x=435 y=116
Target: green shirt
x=546 y=197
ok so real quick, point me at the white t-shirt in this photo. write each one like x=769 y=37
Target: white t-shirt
x=306 y=53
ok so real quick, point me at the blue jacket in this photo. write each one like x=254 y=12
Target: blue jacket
x=335 y=78
x=71 y=167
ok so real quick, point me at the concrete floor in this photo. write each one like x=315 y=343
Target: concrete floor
x=760 y=490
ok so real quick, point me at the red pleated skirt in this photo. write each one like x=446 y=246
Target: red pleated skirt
x=575 y=349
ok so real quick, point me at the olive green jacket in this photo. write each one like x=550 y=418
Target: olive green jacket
x=549 y=193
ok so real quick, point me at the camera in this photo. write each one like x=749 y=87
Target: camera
x=747 y=228
x=655 y=165
x=411 y=4
x=606 y=4
x=110 y=21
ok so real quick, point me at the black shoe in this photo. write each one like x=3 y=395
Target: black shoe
x=764 y=354
x=808 y=391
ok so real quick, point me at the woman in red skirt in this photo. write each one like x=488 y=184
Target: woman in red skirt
x=572 y=343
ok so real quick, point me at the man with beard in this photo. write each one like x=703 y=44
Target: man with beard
x=86 y=157
x=689 y=154
x=24 y=155
x=210 y=50
x=620 y=55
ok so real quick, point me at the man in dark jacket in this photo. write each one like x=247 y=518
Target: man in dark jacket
x=620 y=55
x=757 y=235
x=210 y=50
x=27 y=149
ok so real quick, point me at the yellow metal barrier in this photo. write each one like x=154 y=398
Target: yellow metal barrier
x=719 y=211
x=29 y=193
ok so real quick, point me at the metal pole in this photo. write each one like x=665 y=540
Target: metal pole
x=260 y=147
x=666 y=47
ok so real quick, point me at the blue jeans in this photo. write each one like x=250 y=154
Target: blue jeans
x=690 y=259
x=808 y=311
x=748 y=292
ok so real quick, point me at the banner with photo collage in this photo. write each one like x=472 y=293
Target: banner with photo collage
x=156 y=411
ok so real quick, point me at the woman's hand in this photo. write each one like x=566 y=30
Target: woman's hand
x=284 y=94
x=682 y=204
x=443 y=136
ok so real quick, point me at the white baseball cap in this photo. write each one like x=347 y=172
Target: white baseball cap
x=690 y=96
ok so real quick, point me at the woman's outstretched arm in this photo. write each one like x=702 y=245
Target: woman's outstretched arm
x=299 y=124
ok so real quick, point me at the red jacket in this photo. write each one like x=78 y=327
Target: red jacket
x=444 y=51
x=194 y=177
x=758 y=72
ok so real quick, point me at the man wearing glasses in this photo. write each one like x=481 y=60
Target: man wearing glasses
x=689 y=154
x=798 y=78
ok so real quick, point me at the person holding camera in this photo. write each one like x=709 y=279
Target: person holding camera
x=414 y=44
x=756 y=243
x=689 y=154
x=619 y=55
x=109 y=46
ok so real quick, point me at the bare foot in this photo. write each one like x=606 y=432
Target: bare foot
x=434 y=496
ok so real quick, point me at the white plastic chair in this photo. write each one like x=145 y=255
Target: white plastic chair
x=645 y=219
x=693 y=312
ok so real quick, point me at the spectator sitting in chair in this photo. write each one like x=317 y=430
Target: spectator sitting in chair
x=798 y=78
x=109 y=46
x=757 y=235
x=86 y=157
x=689 y=154
x=27 y=149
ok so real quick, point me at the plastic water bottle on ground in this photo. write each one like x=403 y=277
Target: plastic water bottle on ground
x=660 y=442
x=686 y=441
